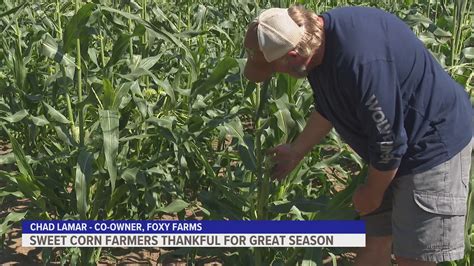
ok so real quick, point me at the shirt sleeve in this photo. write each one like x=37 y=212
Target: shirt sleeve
x=318 y=108
x=381 y=112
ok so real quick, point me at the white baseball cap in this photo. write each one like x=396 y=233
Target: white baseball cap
x=277 y=33
x=272 y=35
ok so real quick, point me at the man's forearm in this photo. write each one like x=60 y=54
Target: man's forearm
x=317 y=127
x=378 y=181
x=369 y=196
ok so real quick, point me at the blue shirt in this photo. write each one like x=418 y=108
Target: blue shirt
x=386 y=95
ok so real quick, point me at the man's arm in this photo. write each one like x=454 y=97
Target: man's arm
x=381 y=112
x=317 y=127
x=369 y=196
x=287 y=156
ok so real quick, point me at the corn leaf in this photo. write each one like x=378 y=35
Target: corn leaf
x=247 y=154
x=235 y=129
x=312 y=257
x=20 y=157
x=119 y=49
x=56 y=115
x=175 y=206
x=109 y=122
x=76 y=25
x=16 y=117
x=83 y=175
x=13 y=10
x=218 y=74
x=11 y=218
x=50 y=48
x=39 y=120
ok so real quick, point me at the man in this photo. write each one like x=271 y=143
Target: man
x=388 y=98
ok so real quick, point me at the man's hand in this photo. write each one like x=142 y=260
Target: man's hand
x=369 y=196
x=285 y=159
x=366 y=200
x=287 y=156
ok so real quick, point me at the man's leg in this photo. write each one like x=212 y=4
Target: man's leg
x=378 y=243
x=377 y=251
x=429 y=210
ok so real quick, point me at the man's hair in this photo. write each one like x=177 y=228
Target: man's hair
x=313 y=29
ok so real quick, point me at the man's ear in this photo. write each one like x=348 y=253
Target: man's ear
x=292 y=53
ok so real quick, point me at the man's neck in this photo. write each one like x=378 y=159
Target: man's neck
x=318 y=53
